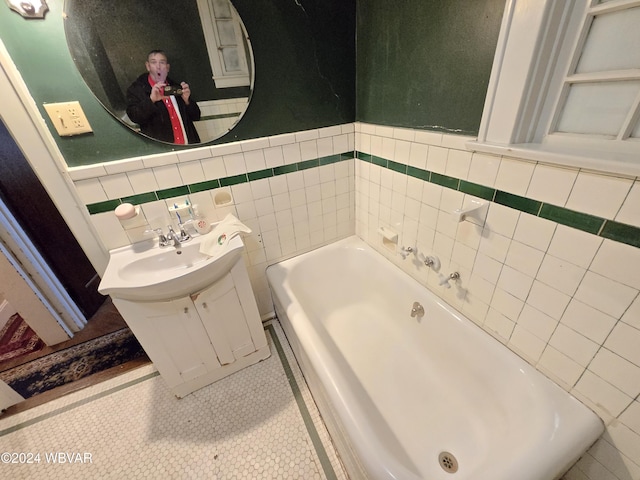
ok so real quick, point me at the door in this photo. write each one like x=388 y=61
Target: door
x=223 y=317
x=29 y=202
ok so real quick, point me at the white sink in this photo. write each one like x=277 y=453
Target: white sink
x=146 y=272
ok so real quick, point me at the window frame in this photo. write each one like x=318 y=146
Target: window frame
x=535 y=51
x=221 y=77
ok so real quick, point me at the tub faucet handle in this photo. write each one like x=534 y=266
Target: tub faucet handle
x=417 y=310
x=406 y=251
x=431 y=261
x=444 y=281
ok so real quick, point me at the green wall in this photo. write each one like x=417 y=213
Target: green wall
x=425 y=63
x=420 y=63
x=304 y=54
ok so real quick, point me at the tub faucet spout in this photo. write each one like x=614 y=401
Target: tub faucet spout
x=417 y=310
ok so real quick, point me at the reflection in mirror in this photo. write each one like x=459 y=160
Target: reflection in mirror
x=205 y=44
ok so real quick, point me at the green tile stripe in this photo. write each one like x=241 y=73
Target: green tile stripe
x=588 y=223
x=302 y=406
x=172 y=192
x=476 y=190
x=102 y=207
x=620 y=232
x=570 y=218
x=517 y=202
x=110 y=205
x=609 y=229
x=142 y=198
x=445 y=181
x=217 y=116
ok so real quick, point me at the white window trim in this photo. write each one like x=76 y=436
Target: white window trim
x=221 y=77
x=531 y=33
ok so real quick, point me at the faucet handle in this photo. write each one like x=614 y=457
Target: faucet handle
x=406 y=251
x=184 y=236
x=162 y=239
x=444 y=281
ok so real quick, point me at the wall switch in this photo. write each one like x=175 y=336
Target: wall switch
x=68 y=118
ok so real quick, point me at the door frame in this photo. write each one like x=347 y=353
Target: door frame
x=16 y=246
x=25 y=124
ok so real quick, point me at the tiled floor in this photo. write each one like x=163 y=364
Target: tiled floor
x=260 y=423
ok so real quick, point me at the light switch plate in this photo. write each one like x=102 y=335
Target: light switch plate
x=68 y=118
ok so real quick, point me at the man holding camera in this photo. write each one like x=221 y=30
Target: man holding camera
x=163 y=108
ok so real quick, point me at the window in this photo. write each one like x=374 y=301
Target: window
x=224 y=34
x=565 y=85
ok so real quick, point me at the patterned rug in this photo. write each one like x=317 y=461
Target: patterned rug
x=17 y=339
x=73 y=363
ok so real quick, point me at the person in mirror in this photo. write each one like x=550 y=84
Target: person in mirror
x=162 y=107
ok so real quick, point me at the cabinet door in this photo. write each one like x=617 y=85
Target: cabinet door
x=171 y=333
x=223 y=317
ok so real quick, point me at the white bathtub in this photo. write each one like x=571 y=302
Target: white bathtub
x=396 y=391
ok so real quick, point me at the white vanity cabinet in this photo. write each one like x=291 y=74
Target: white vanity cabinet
x=199 y=339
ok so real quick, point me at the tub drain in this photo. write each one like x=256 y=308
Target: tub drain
x=448 y=462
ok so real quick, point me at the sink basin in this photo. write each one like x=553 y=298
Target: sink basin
x=146 y=272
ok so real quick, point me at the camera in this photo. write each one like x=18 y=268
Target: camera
x=172 y=90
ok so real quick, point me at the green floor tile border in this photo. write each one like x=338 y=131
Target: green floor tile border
x=110 y=205
x=77 y=404
x=302 y=406
x=602 y=227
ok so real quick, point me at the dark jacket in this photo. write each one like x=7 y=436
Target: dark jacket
x=153 y=117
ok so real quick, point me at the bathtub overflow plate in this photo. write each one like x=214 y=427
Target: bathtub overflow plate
x=448 y=462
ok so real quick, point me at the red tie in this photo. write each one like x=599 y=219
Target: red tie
x=178 y=136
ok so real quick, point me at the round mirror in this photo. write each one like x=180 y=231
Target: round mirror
x=176 y=72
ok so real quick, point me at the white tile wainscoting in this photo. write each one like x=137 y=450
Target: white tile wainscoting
x=562 y=294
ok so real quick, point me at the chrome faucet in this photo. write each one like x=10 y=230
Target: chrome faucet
x=172 y=238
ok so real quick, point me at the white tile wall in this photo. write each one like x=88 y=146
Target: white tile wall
x=289 y=214
x=565 y=300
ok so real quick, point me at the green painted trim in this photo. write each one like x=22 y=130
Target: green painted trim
x=302 y=407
